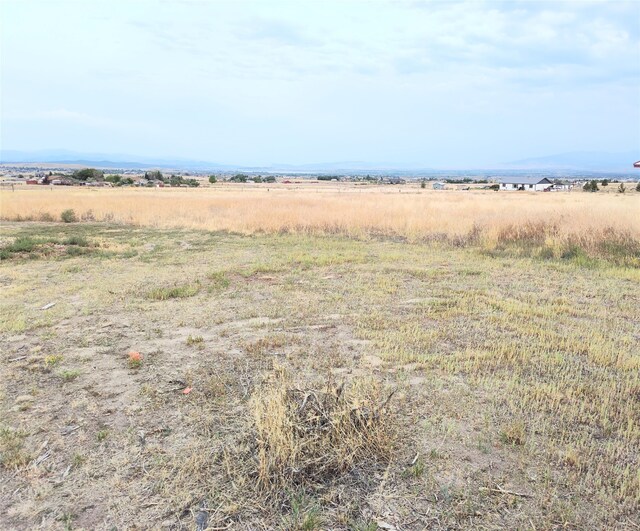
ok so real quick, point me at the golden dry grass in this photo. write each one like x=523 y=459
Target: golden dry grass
x=406 y=211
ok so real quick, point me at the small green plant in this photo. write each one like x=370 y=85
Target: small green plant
x=78 y=460
x=621 y=188
x=67 y=520
x=305 y=514
x=102 y=434
x=423 y=184
x=219 y=280
x=361 y=525
x=416 y=469
x=69 y=375
x=52 y=360
x=68 y=216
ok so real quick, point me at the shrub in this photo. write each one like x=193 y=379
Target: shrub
x=75 y=251
x=45 y=216
x=638 y=187
x=22 y=244
x=621 y=188
x=68 y=216
x=80 y=241
x=213 y=179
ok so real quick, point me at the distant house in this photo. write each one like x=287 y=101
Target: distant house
x=438 y=186
x=533 y=184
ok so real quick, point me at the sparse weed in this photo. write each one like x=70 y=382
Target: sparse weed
x=78 y=460
x=176 y=292
x=513 y=433
x=416 y=469
x=219 y=280
x=69 y=375
x=195 y=341
x=52 y=360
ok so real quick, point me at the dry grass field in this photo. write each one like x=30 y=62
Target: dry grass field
x=319 y=359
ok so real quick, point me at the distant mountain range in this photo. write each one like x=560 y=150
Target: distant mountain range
x=581 y=160
x=588 y=161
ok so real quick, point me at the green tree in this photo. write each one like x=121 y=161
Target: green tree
x=638 y=187
x=88 y=174
x=605 y=182
x=155 y=175
x=213 y=179
x=591 y=186
x=621 y=188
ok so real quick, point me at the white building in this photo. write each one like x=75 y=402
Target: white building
x=438 y=186
x=532 y=184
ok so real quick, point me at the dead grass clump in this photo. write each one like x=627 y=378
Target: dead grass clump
x=526 y=236
x=306 y=437
x=12 y=453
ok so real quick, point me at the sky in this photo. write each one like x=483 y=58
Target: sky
x=406 y=83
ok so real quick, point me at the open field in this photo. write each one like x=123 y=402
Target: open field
x=560 y=221
x=335 y=362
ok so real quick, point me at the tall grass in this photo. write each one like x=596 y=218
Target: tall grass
x=552 y=224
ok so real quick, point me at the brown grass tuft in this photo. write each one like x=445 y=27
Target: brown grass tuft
x=305 y=436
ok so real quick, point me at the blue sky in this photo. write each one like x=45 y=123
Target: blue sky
x=433 y=84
